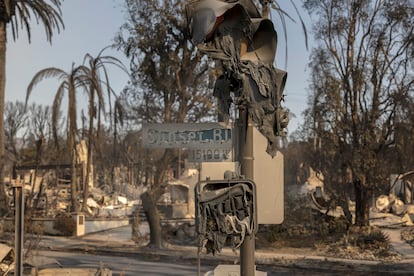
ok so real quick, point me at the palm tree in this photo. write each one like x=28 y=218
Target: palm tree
x=98 y=81
x=70 y=83
x=14 y=12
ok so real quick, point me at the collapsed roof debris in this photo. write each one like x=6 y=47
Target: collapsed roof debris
x=6 y=259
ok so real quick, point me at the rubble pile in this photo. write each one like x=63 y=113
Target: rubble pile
x=304 y=226
x=310 y=223
x=391 y=212
x=103 y=204
x=53 y=200
x=6 y=259
x=392 y=204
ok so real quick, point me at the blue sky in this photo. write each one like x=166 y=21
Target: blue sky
x=90 y=25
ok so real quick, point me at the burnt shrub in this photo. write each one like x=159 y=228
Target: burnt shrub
x=65 y=224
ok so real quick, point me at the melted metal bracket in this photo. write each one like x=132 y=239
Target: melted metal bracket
x=225 y=210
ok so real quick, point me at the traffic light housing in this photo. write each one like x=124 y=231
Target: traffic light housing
x=234 y=33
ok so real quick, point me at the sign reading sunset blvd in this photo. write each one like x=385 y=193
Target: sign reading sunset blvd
x=190 y=135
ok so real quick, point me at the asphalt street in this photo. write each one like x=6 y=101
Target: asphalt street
x=116 y=249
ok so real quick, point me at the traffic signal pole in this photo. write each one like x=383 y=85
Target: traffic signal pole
x=235 y=34
x=246 y=158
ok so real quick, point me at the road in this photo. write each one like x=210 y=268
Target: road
x=90 y=252
x=125 y=265
x=118 y=264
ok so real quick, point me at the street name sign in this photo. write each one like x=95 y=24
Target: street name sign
x=190 y=135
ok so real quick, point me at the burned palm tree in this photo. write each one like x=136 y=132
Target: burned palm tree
x=70 y=83
x=96 y=73
x=18 y=14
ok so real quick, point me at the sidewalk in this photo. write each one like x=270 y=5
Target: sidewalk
x=406 y=250
x=118 y=241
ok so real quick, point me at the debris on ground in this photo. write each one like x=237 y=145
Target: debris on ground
x=6 y=259
x=364 y=243
x=313 y=222
x=407 y=234
x=180 y=233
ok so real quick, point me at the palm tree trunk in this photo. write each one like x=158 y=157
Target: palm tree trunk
x=3 y=41
x=73 y=185
x=89 y=150
x=86 y=179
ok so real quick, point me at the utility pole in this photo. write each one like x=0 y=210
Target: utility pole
x=246 y=158
x=19 y=226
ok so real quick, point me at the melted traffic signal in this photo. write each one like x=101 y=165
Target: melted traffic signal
x=234 y=33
